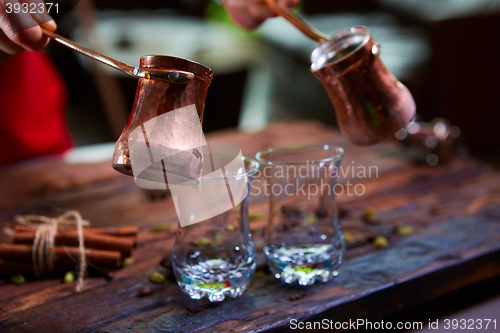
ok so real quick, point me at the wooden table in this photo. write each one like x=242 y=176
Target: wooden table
x=454 y=210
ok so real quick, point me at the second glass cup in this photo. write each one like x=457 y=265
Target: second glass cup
x=304 y=242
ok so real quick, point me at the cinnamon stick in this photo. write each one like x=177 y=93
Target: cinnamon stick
x=126 y=231
x=91 y=240
x=22 y=253
x=9 y=268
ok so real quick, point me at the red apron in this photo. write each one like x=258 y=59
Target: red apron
x=33 y=100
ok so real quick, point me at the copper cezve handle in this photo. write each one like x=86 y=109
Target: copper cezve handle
x=297 y=21
x=169 y=75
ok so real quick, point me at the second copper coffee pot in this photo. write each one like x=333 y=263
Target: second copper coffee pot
x=370 y=103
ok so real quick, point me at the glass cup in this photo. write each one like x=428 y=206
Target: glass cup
x=304 y=242
x=216 y=257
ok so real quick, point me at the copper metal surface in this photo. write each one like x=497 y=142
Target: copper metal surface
x=154 y=98
x=370 y=103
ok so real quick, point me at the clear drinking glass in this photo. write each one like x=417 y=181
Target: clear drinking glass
x=304 y=242
x=216 y=257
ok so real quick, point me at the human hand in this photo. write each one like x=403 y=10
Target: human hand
x=249 y=14
x=20 y=27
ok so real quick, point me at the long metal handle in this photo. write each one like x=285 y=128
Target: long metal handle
x=170 y=75
x=297 y=21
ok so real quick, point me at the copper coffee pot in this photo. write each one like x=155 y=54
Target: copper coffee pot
x=157 y=97
x=165 y=84
x=370 y=103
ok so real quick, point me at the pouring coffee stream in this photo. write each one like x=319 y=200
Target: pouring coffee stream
x=370 y=103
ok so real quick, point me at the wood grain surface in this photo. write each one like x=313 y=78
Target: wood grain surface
x=453 y=209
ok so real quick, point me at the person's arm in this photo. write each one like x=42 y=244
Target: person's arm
x=249 y=14
x=21 y=31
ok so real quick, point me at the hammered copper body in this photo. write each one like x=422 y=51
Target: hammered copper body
x=370 y=103
x=155 y=97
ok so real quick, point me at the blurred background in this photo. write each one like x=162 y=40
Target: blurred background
x=445 y=51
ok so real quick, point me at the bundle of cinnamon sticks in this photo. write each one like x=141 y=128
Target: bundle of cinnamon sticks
x=104 y=248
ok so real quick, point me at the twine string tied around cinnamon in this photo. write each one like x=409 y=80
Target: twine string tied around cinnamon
x=43 y=244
